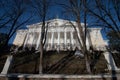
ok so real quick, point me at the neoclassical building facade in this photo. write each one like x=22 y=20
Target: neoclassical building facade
x=61 y=35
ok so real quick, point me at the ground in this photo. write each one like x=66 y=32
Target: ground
x=55 y=63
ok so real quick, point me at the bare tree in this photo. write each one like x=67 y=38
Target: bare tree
x=3 y=16
x=42 y=7
x=75 y=8
x=14 y=16
x=107 y=12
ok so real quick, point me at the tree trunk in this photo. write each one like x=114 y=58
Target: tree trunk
x=41 y=58
x=88 y=68
x=87 y=63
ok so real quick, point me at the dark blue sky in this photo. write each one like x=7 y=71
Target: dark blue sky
x=55 y=11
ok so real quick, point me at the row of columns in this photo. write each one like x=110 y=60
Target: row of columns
x=52 y=42
x=52 y=39
x=72 y=40
x=33 y=36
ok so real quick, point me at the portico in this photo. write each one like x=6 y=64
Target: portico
x=60 y=36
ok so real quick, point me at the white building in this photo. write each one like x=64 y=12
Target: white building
x=60 y=36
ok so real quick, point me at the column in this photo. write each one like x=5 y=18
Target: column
x=46 y=43
x=52 y=40
x=71 y=34
x=26 y=40
x=87 y=42
x=80 y=40
x=65 y=37
x=33 y=35
x=38 y=41
x=58 y=38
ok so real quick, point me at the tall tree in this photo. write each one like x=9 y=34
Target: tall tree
x=14 y=16
x=42 y=7
x=76 y=9
x=107 y=13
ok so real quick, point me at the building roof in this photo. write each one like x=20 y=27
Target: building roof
x=55 y=22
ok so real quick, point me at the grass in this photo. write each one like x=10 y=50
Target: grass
x=54 y=63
